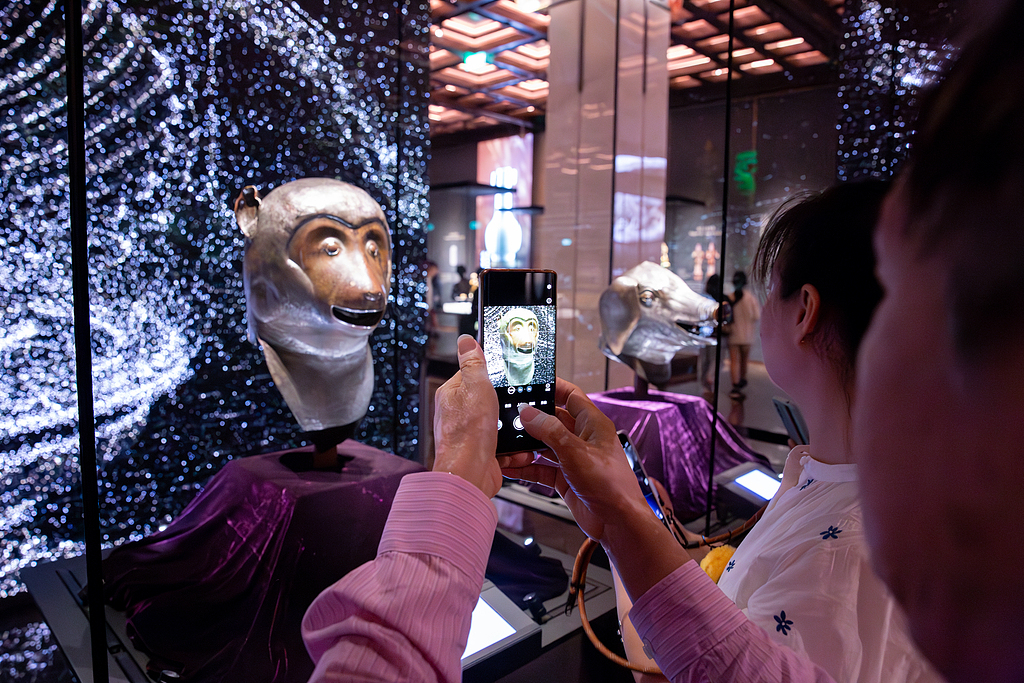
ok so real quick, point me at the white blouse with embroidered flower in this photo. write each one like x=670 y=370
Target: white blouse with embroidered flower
x=803 y=574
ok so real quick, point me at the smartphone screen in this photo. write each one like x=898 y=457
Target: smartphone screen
x=641 y=476
x=517 y=330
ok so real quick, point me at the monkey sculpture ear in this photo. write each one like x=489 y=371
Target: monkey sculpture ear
x=620 y=312
x=246 y=206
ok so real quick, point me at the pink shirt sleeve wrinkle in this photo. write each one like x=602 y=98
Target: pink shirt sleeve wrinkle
x=695 y=633
x=405 y=615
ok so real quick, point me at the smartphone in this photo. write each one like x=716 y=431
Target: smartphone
x=646 y=487
x=517 y=332
x=792 y=420
x=653 y=499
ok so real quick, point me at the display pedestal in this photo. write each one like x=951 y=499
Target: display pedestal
x=672 y=434
x=219 y=594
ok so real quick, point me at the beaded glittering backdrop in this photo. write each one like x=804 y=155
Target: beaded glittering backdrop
x=187 y=101
x=890 y=56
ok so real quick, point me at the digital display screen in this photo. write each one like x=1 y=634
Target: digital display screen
x=517 y=324
x=487 y=628
x=519 y=345
x=759 y=483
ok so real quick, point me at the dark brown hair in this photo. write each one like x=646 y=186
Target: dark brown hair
x=824 y=239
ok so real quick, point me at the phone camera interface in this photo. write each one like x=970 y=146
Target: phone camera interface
x=519 y=345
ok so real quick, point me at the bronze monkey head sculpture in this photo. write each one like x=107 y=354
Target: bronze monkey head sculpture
x=317 y=273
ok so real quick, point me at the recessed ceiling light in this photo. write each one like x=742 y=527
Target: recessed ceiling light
x=477 y=62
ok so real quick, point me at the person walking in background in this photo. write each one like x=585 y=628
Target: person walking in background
x=461 y=289
x=745 y=314
x=433 y=285
x=706 y=355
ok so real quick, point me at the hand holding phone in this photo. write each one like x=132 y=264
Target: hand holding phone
x=517 y=332
x=464 y=407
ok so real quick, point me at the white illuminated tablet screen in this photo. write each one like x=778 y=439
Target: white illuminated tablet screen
x=498 y=625
x=488 y=627
x=759 y=483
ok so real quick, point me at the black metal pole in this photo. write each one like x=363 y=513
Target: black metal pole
x=725 y=224
x=83 y=350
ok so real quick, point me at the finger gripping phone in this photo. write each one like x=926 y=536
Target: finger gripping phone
x=517 y=332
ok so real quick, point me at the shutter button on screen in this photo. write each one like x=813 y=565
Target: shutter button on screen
x=517 y=423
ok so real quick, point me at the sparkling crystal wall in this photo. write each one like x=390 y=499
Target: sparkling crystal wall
x=187 y=101
x=889 y=56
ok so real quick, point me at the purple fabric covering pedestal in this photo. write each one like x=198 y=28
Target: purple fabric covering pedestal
x=672 y=434
x=219 y=594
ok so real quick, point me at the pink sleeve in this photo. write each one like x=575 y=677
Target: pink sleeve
x=695 y=633
x=406 y=614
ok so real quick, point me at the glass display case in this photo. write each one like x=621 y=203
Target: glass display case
x=186 y=103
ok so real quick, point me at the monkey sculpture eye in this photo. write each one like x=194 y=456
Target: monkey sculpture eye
x=372 y=249
x=647 y=297
x=517 y=325
x=332 y=247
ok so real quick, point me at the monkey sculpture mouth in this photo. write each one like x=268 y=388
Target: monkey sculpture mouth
x=359 y=318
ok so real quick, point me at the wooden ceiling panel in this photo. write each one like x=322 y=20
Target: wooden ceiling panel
x=771 y=36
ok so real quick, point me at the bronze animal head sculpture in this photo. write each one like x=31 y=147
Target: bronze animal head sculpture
x=317 y=274
x=647 y=315
x=518 y=331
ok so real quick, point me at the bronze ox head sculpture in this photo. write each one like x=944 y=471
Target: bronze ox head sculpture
x=317 y=274
x=518 y=330
x=648 y=314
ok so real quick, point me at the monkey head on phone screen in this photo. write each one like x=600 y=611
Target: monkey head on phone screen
x=317 y=275
x=518 y=331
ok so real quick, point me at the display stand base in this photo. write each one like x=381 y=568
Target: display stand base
x=672 y=434
x=219 y=594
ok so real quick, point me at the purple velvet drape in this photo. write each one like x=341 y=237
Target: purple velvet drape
x=672 y=433
x=219 y=594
